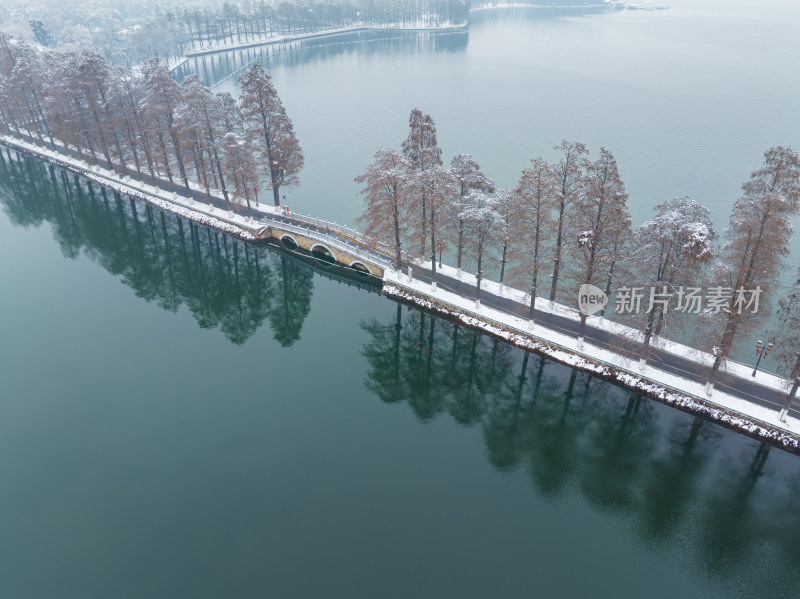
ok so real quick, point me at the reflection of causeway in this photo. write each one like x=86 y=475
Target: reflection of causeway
x=216 y=68
x=225 y=283
x=721 y=503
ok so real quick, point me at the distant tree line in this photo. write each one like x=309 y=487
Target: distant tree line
x=129 y=35
x=149 y=126
x=175 y=32
x=569 y=221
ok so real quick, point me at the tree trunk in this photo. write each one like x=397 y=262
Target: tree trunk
x=397 y=242
x=581 y=331
x=722 y=350
x=648 y=335
x=609 y=281
x=503 y=263
x=479 y=275
x=433 y=251
x=557 y=261
x=460 y=243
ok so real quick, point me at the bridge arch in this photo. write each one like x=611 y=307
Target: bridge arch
x=289 y=242
x=320 y=252
x=360 y=268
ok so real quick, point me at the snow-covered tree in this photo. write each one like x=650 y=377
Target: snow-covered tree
x=532 y=205
x=127 y=95
x=436 y=185
x=92 y=76
x=240 y=166
x=386 y=199
x=757 y=241
x=599 y=216
x=504 y=238
x=26 y=80
x=484 y=224
x=667 y=253
x=422 y=148
x=788 y=334
x=467 y=176
x=162 y=100
x=271 y=129
x=569 y=175
x=68 y=109
x=201 y=120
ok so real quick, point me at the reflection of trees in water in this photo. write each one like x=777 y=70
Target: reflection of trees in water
x=225 y=283
x=215 y=67
x=680 y=480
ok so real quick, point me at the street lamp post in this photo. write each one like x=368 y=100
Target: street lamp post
x=761 y=352
x=440 y=247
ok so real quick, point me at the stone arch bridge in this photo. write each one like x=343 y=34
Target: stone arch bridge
x=329 y=242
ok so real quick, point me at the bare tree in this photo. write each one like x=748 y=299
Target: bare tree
x=467 y=176
x=271 y=129
x=386 y=199
x=600 y=215
x=484 y=222
x=752 y=258
x=532 y=205
x=569 y=172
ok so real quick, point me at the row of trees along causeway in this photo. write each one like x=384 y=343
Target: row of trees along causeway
x=150 y=127
x=128 y=37
x=569 y=220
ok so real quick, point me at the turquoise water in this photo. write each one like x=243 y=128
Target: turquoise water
x=186 y=415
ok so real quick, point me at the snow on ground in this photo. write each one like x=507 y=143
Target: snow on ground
x=202 y=213
x=737 y=369
x=671 y=389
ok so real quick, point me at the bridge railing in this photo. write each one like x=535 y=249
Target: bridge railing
x=335 y=241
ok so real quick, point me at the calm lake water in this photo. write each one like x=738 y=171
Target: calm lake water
x=186 y=415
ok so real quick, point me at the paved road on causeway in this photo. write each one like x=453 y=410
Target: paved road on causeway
x=747 y=389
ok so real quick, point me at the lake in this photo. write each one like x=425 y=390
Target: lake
x=185 y=414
